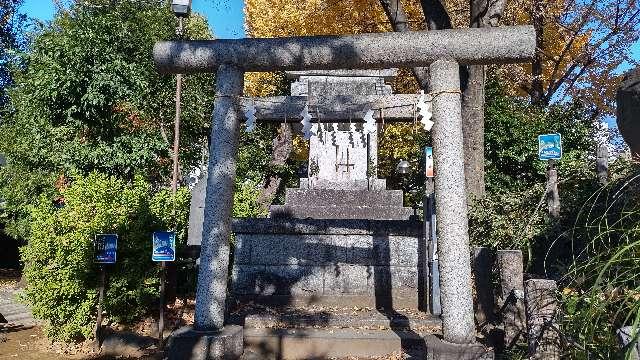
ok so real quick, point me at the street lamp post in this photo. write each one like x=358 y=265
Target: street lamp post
x=181 y=9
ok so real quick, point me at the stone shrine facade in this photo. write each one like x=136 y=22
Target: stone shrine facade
x=342 y=181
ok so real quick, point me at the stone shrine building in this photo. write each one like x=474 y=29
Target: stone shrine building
x=342 y=181
x=340 y=238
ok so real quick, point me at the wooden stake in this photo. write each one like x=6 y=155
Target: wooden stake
x=553 y=198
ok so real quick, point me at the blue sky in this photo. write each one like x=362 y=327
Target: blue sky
x=225 y=16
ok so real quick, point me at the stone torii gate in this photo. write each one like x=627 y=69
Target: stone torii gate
x=443 y=51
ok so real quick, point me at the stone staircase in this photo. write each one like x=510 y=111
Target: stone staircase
x=377 y=204
x=316 y=332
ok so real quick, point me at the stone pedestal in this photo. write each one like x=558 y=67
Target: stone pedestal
x=188 y=343
x=510 y=268
x=341 y=263
x=541 y=307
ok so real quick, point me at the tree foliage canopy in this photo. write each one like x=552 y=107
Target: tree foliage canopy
x=10 y=41
x=90 y=99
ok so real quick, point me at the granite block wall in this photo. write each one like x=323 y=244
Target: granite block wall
x=378 y=260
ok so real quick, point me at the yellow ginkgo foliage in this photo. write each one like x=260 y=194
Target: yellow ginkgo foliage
x=561 y=49
x=272 y=18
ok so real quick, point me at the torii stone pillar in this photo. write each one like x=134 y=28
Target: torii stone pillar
x=443 y=50
x=214 y=253
x=456 y=297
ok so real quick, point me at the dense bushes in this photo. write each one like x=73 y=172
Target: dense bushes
x=513 y=214
x=58 y=258
x=592 y=250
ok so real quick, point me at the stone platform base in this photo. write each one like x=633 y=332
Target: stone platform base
x=189 y=344
x=380 y=261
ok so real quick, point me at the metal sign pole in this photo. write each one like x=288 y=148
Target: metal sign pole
x=164 y=243
x=97 y=331
x=436 y=309
x=163 y=266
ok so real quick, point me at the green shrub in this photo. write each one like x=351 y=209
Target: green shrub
x=58 y=258
x=245 y=200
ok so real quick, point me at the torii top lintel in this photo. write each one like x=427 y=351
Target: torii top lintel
x=481 y=46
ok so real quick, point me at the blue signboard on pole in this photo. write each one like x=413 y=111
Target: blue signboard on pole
x=106 y=247
x=164 y=246
x=549 y=147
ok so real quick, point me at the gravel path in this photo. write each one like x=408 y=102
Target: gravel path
x=15 y=312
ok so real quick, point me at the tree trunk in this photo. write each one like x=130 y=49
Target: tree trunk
x=484 y=13
x=282 y=146
x=399 y=23
x=537 y=17
x=473 y=130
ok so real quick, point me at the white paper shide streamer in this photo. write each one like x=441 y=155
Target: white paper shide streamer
x=425 y=113
x=250 y=114
x=307 y=131
x=369 y=123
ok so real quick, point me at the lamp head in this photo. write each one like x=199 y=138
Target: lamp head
x=181 y=8
x=403 y=167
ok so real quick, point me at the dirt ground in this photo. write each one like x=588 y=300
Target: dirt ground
x=31 y=344
x=26 y=343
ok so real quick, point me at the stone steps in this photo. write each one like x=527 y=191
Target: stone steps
x=320 y=184
x=13 y=311
x=341 y=212
x=313 y=316
x=331 y=197
x=342 y=343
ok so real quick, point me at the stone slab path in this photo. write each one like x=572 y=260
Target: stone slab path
x=15 y=312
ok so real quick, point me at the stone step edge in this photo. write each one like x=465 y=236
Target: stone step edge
x=332 y=197
x=354 y=209
x=341 y=212
x=327 y=226
x=345 y=207
x=305 y=321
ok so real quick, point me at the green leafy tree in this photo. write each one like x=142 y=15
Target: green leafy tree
x=90 y=99
x=513 y=215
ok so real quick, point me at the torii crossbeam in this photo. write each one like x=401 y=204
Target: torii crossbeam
x=443 y=51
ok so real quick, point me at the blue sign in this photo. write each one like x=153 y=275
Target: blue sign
x=549 y=147
x=164 y=246
x=105 y=247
